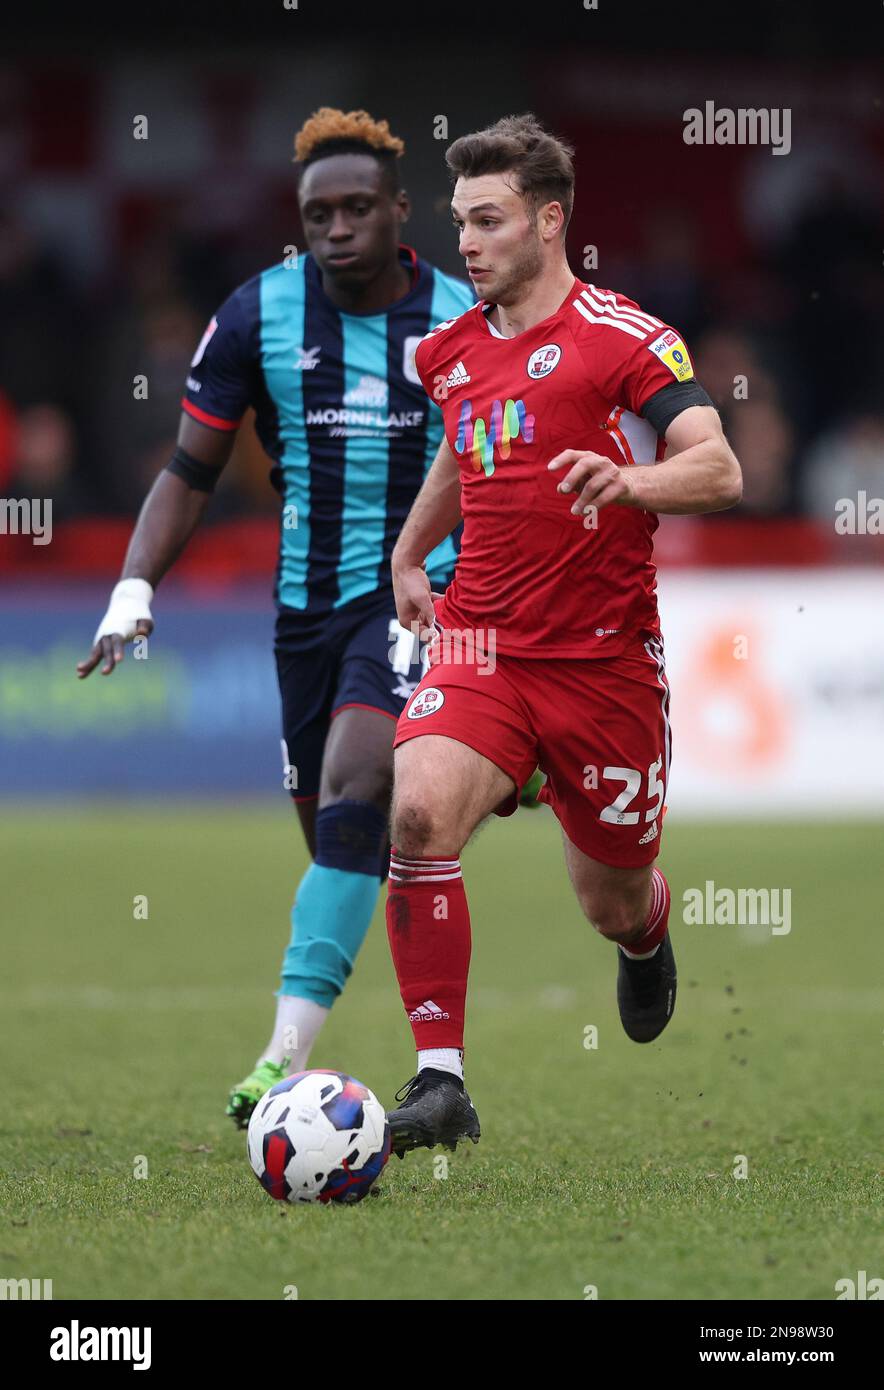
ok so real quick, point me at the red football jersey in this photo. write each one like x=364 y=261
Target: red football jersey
x=528 y=569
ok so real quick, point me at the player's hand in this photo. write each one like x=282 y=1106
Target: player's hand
x=128 y=616
x=597 y=481
x=414 y=597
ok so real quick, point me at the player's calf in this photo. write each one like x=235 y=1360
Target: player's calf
x=646 y=975
x=630 y=906
x=443 y=789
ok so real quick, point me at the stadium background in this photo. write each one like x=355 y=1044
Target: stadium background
x=113 y=254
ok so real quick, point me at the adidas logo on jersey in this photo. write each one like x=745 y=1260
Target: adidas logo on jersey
x=649 y=835
x=428 y=1012
x=459 y=377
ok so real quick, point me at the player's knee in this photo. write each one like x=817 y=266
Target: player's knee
x=367 y=784
x=413 y=825
x=421 y=828
x=351 y=835
x=317 y=970
x=614 y=918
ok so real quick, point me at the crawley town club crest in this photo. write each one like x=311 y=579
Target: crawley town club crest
x=427 y=702
x=544 y=361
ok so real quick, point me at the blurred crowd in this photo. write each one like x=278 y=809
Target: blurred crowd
x=92 y=373
x=788 y=343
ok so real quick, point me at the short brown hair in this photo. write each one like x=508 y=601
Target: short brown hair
x=543 y=164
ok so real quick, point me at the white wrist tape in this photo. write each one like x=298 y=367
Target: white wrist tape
x=129 y=602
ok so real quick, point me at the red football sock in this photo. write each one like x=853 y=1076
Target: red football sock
x=658 y=918
x=428 y=926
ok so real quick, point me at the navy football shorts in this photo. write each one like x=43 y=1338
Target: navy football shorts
x=356 y=656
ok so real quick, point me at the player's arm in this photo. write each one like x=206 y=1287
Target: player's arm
x=218 y=389
x=177 y=501
x=434 y=514
x=699 y=474
x=171 y=513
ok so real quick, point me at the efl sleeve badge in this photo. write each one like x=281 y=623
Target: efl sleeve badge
x=671 y=350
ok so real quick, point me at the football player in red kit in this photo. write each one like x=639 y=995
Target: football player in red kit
x=572 y=418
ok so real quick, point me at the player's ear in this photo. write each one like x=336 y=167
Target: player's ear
x=552 y=218
x=403 y=205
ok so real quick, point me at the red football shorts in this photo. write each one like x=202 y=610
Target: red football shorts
x=599 y=729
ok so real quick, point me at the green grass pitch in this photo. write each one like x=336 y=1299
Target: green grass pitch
x=608 y=1167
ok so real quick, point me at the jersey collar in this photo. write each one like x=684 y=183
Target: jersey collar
x=407 y=257
x=486 y=306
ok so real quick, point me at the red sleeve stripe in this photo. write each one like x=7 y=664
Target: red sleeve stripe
x=213 y=421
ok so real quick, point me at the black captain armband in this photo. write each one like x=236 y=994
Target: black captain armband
x=197 y=475
x=661 y=409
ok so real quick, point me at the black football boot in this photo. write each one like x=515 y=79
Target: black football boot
x=646 y=992
x=434 y=1109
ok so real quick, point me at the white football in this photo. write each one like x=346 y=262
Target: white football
x=318 y=1136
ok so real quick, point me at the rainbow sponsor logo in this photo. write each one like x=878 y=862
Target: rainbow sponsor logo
x=508 y=421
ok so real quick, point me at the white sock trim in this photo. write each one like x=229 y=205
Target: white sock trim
x=441 y=1059
x=423 y=870
x=298 y=1023
x=641 y=955
x=658 y=906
